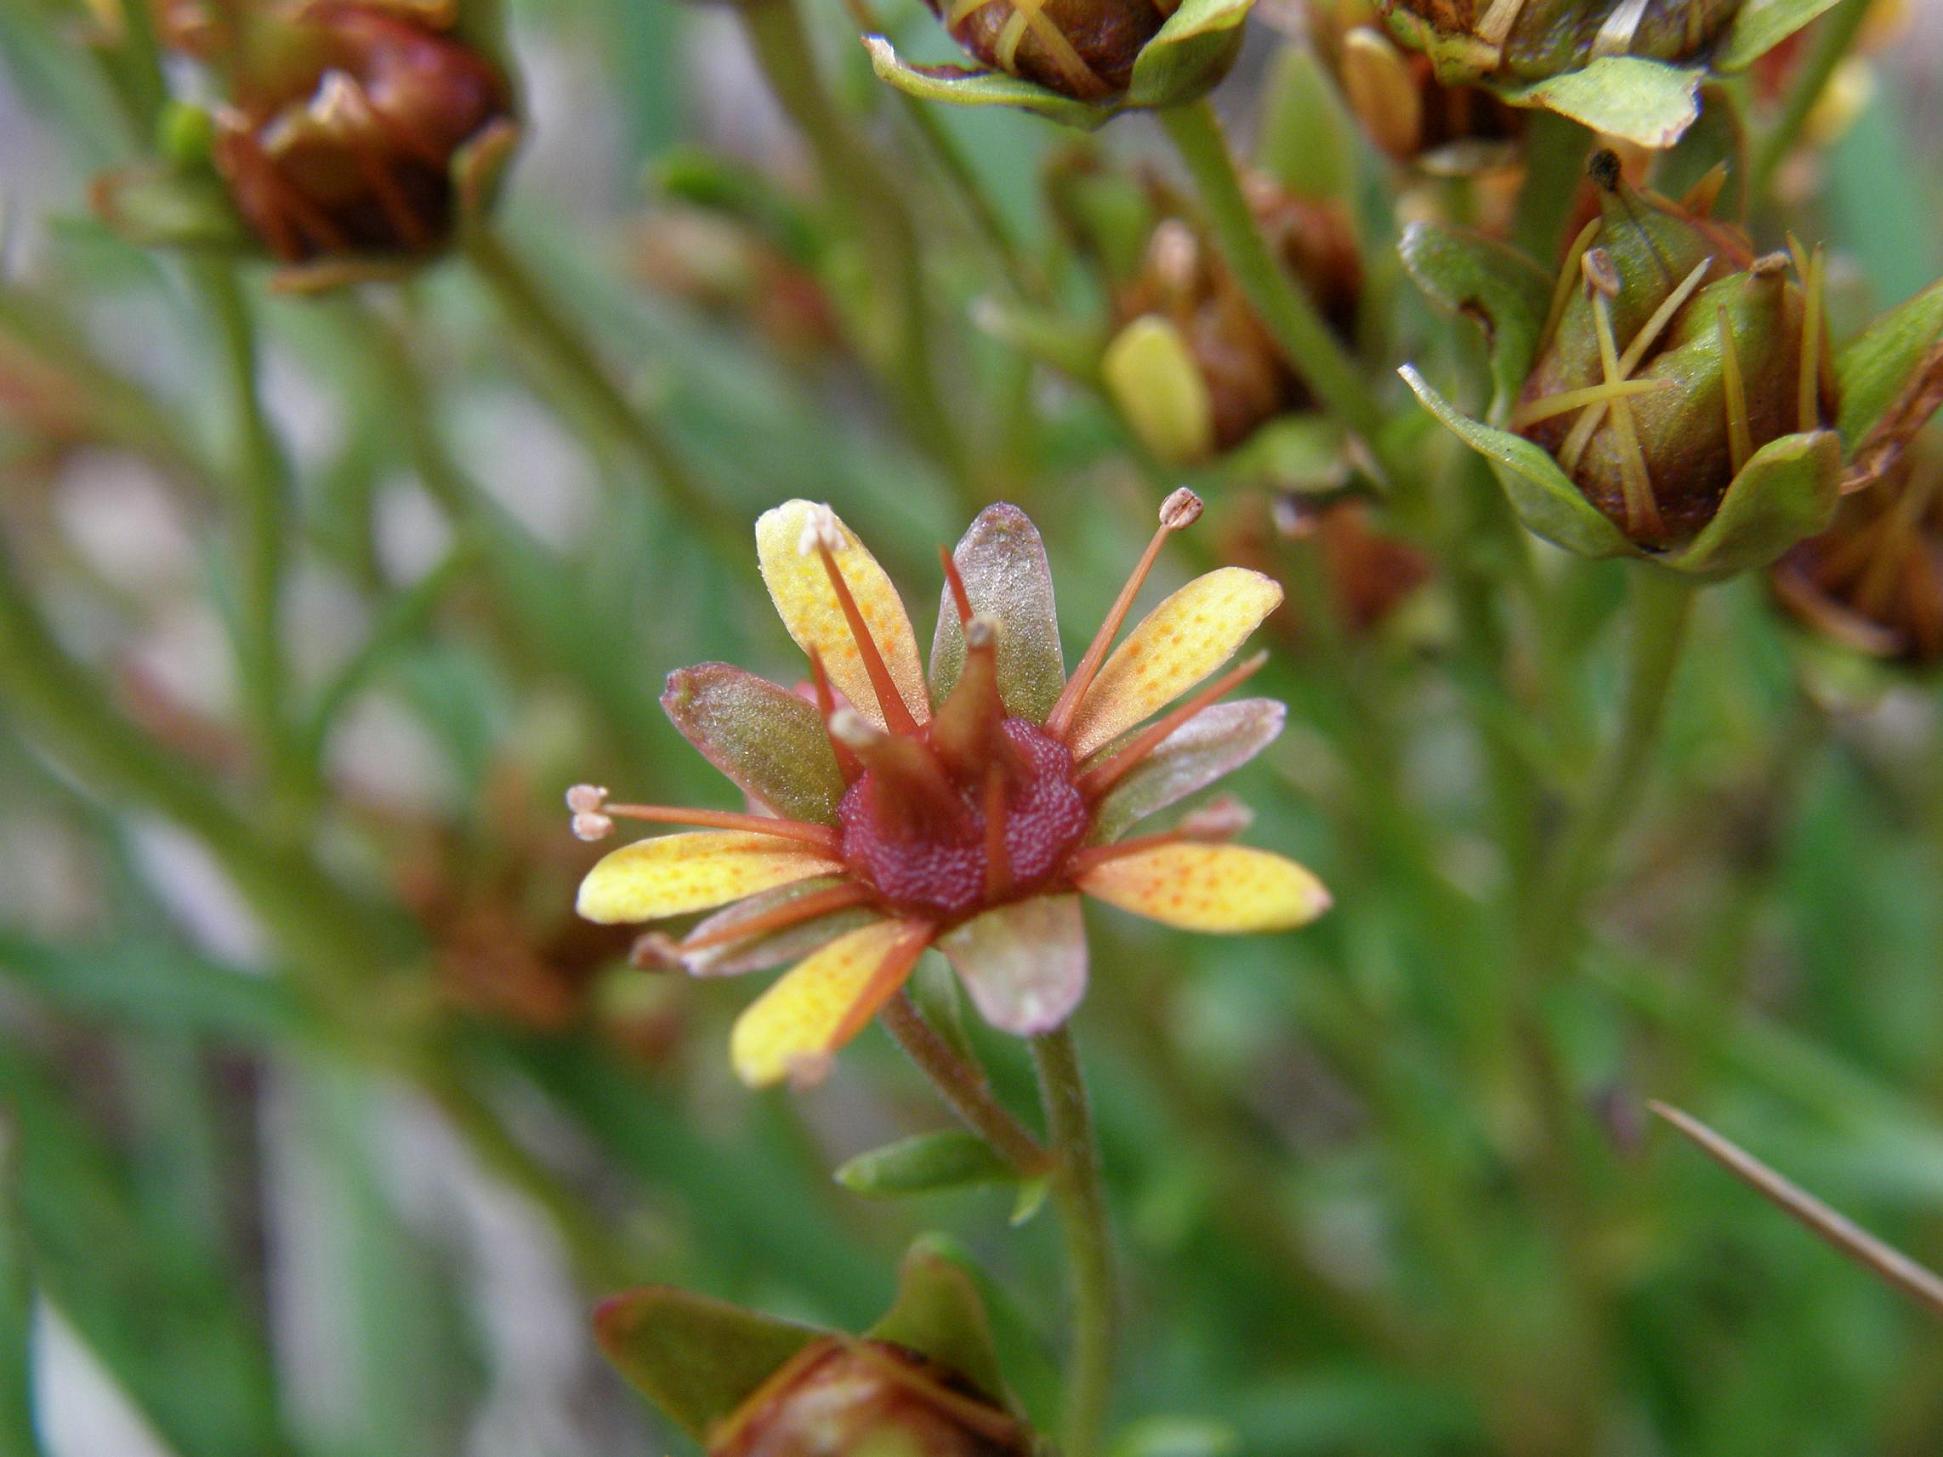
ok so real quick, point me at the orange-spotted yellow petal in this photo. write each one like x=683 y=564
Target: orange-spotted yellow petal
x=799 y=584
x=1210 y=888
x=1175 y=646
x=673 y=874
x=823 y=1001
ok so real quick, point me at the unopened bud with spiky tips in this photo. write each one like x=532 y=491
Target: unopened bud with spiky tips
x=1533 y=39
x=1674 y=355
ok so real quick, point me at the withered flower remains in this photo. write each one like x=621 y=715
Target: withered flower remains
x=964 y=811
x=348 y=125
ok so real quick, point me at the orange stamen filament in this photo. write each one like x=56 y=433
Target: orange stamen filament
x=1740 y=441
x=960 y=598
x=1097 y=780
x=821 y=837
x=1061 y=717
x=826 y=704
x=897 y=717
x=890 y=973
x=782 y=917
x=1095 y=856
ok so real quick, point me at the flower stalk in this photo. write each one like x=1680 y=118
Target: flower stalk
x=1081 y=1202
x=1312 y=349
x=964 y=1087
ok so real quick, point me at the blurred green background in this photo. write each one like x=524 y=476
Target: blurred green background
x=333 y=1157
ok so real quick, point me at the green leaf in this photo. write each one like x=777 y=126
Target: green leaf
x=939 y=1313
x=1878 y=366
x=1786 y=491
x=1172 y=1436
x=17 y=1434
x=1719 y=136
x=157 y=207
x=1542 y=494
x=1761 y=25
x=926 y=1163
x=152 y=985
x=1189 y=54
x=695 y=1358
x=1646 y=102
x=963 y=86
x=1503 y=290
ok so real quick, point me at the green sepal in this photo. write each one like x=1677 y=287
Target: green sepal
x=925 y=1163
x=1033 y=1194
x=939 y=1313
x=1541 y=494
x=1182 y=63
x=1646 y=102
x=1785 y=493
x=1189 y=54
x=1761 y=25
x=696 y=1359
x=1877 y=367
x=1503 y=290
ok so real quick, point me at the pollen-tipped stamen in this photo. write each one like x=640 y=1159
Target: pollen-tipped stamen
x=1565 y=402
x=820 y=836
x=1809 y=393
x=1740 y=439
x=1097 y=780
x=1642 y=509
x=780 y=918
x=1179 y=511
x=890 y=973
x=897 y=716
x=1214 y=824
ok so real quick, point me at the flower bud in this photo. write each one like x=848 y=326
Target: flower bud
x=1873 y=581
x=347 y=128
x=1534 y=39
x=1084 y=49
x=1402 y=106
x=1184 y=283
x=1673 y=356
x=860 y=1398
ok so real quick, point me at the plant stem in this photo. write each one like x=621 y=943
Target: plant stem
x=1312 y=350
x=964 y=1087
x=856 y=179
x=262 y=483
x=1662 y=609
x=1838 y=34
x=1089 y=1241
x=540 y=319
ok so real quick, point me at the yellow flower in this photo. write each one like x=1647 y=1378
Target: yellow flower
x=964 y=810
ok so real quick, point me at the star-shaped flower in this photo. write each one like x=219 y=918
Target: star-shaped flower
x=964 y=811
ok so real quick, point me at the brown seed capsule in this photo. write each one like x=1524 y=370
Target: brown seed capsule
x=344 y=127
x=1874 y=580
x=844 y=1398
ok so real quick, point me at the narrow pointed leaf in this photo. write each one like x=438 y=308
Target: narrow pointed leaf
x=963 y=86
x=1876 y=369
x=926 y=1163
x=1189 y=54
x=769 y=741
x=1499 y=287
x=1542 y=494
x=1760 y=26
x=695 y=1358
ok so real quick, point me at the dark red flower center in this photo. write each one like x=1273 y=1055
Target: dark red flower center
x=935 y=847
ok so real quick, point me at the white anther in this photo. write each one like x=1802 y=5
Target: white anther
x=592 y=827
x=587 y=799
x=821 y=532
x=1182 y=508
